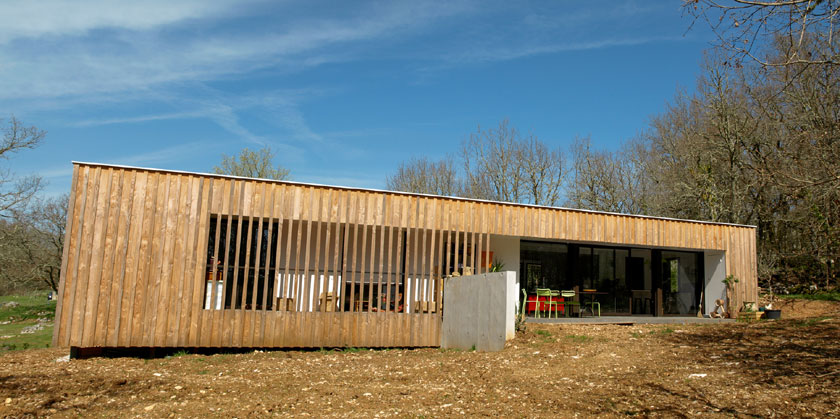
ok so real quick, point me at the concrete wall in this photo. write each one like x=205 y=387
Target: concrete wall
x=478 y=312
x=715 y=273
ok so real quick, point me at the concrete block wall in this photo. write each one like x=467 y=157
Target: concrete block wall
x=479 y=311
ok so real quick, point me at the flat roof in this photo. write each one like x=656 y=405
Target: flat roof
x=384 y=191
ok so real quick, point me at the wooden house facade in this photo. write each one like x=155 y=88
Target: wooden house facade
x=157 y=258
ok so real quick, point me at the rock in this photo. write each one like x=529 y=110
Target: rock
x=10 y=304
x=149 y=407
x=65 y=358
x=31 y=329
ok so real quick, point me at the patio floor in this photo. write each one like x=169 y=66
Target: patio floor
x=626 y=320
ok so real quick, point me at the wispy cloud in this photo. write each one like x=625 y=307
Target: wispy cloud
x=107 y=53
x=50 y=18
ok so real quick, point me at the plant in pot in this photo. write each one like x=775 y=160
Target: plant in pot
x=497 y=265
x=730 y=282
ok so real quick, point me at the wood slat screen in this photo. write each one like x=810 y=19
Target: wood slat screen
x=168 y=259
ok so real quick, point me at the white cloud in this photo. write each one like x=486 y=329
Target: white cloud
x=140 y=53
x=50 y=18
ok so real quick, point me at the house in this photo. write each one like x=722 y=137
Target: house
x=159 y=258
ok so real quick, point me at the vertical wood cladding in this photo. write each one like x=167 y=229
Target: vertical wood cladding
x=159 y=258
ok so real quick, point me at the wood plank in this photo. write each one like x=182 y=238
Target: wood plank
x=143 y=287
x=262 y=337
x=92 y=262
x=163 y=282
x=279 y=214
x=197 y=271
x=222 y=329
x=374 y=207
x=118 y=262
x=220 y=251
x=177 y=281
x=70 y=256
x=256 y=312
x=106 y=280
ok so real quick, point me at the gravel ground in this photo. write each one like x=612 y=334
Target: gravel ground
x=768 y=369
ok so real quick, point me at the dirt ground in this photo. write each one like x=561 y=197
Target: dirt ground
x=768 y=369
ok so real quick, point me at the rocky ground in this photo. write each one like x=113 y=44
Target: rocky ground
x=768 y=369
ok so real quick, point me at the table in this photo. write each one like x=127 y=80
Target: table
x=591 y=294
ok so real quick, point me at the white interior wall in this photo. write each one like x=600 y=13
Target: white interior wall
x=506 y=249
x=715 y=273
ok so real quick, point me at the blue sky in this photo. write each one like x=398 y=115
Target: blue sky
x=343 y=91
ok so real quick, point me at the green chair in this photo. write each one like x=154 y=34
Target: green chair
x=592 y=305
x=545 y=292
x=568 y=301
x=525 y=302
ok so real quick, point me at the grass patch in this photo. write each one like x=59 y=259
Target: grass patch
x=818 y=296
x=30 y=307
x=17 y=341
x=178 y=354
x=808 y=322
x=579 y=338
x=13 y=320
x=545 y=333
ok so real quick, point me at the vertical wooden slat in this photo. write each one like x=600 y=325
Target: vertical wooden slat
x=94 y=265
x=114 y=261
x=381 y=265
x=334 y=330
x=222 y=328
x=288 y=284
x=198 y=267
x=208 y=306
x=136 y=330
x=120 y=263
x=280 y=215
x=373 y=211
x=346 y=249
x=306 y=280
x=268 y=320
x=69 y=258
x=106 y=281
x=259 y=212
x=240 y=291
x=214 y=335
x=185 y=222
x=363 y=220
x=186 y=276
x=160 y=307
x=152 y=274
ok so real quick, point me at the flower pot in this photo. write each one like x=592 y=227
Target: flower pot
x=773 y=314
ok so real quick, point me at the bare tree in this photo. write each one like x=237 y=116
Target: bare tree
x=807 y=30
x=252 y=163
x=420 y=175
x=15 y=191
x=502 y=165
x=607 y=181
x=32 y=244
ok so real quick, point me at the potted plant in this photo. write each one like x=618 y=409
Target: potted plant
x=730 y=282
x=497 y=265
